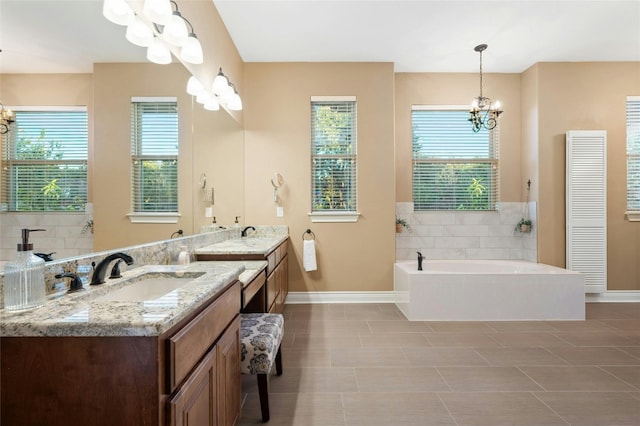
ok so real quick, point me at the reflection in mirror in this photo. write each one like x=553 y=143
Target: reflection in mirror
x=211 y=144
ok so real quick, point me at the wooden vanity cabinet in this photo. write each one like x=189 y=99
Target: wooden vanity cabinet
x=190 y=375
x=208 y=391
x=277 y=283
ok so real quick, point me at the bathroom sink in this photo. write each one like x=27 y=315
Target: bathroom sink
x=149 y=286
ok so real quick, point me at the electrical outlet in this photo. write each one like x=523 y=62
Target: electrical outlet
x=279 y=211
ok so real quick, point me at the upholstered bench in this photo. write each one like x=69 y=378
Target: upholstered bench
x=260 y=337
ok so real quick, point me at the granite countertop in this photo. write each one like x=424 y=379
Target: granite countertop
x=251 y=269
x=79 y=314
x=248 y=245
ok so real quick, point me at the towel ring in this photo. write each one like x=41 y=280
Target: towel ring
x=310 y=233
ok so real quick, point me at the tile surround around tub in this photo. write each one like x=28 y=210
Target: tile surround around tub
x=64 y=233
x=466 y=234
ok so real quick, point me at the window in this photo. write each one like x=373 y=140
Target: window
x=45 y=160
x=154 y=156
x=333 y=159
x=453 y=167
x=633 y=158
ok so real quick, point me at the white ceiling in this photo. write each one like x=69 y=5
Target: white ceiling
x=43 y=36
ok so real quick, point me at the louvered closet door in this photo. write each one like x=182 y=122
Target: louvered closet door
x=587 y=207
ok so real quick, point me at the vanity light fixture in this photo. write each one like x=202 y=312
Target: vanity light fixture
x=192 y=49
x=158 y=11
x=176 y=32
x=226 y=92
x=483 y=112
x=194 y=87
x=158 y=52
x=139 y=33
x=118 y=12
x=235 y=103
x=7 y=117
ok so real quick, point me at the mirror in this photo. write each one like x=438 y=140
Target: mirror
x=213 y=141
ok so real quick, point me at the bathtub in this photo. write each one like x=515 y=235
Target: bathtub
x=487 y=290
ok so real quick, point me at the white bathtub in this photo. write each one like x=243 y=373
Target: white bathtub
x=486 y=290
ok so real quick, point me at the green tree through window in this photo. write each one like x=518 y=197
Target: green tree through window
x=45 y=160
x=453 y=167
x=154 y=156
x=334 y=165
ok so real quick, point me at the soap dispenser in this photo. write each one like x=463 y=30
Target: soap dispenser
x=235 y=232
x=24 y=278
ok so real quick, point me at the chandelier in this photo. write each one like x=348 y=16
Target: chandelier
x=483 y=112
x=7 y=117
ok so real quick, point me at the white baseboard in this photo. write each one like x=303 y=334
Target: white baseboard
x=299 y=297
x=613 y=296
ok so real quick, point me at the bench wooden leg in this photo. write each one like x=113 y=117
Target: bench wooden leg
x=263 y=391
x=279 y=362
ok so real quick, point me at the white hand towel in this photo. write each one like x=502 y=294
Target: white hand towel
x=309 y=255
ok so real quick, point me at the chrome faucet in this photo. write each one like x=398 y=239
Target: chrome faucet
x=244 y=231
x=420 y=258
x=101 y=268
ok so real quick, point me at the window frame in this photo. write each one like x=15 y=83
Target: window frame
x=632 y=212
x=9 y=142
x=152 y=216
x=335 y=215
x=493 y=159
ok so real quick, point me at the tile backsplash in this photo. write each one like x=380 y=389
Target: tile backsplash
x=468 y=234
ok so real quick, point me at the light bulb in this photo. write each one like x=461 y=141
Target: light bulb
x=203 y=97
x=226 y=95
x=192 y=50
x=158 y=11
x=158 y=52
x=235 y=104
x=497 y=105
x=212 y=104
x=219 y=83
x=118 y=12
x=194 y=87
x=139 y=33
x=175 y=32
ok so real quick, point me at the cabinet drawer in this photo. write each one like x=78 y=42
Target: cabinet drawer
x=271 y=262
x=253 y=288
x=188 y=345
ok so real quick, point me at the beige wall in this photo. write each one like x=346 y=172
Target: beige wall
x=586 y=96
x=459 y=89
x=351 y=256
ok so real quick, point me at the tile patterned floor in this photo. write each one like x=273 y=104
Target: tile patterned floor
x=365 y=364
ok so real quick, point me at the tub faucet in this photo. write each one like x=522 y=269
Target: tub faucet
x=420 y=257
x=246 y=228
x=101 y=268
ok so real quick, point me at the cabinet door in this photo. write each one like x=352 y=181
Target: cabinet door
x=195 y=402
x=229 y=381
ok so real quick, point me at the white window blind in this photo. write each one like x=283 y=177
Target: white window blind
x=633 y=157
x=333 y=156
x=154 y=156
x=453 y=167
x=45 y=160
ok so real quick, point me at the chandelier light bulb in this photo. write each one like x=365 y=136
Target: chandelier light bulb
x=192 y=50
x=158 y=52
x=175 y=31
x=139 y=33
x=497 y=105
x=118 y=12
x=158 y=11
